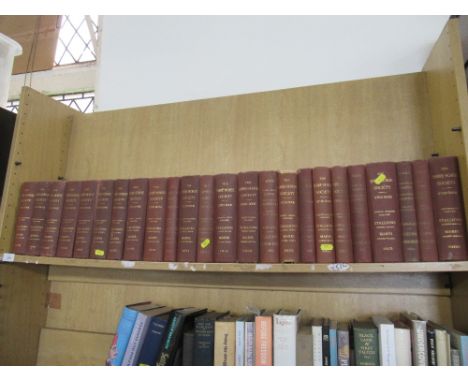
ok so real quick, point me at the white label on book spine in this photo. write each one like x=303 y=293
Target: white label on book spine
x=8 y=257
x=339 y=267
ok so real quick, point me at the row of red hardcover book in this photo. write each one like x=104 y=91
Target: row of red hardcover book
x=379 y=212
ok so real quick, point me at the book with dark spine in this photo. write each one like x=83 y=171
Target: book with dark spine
x=424 y=211
x=205 y=242
x=326 y=342
x=155 y=218
x=71 y=204
x=268 y=216
x=102 y=220
x=38 y=219
x=409 y=225
x=366 y=343
x=248 y=246
x=323 y=209
x=136 y=217
x=341 y=215
x=24 y=215
x=203 y=344
x=448 y=206
x=188 y=219
x=306 y=215
x=384 y=211
x=360 y=225
x=187 y=348
x=85 y=220
x=226 y=218
x=118 y=220
x=53 y=219
x=288 y=218
x=431 y=345
x=170 y=234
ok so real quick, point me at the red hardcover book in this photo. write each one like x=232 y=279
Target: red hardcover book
x=71 y=204
x=269 y=220
x=323 y=208
x=38 y=219
x=102 y=220
x=155 y=218
x=360 y=226
x=342 y=215
x=188 y=219
x=85 y=220
x=306 y=216
x=53 y=218
x=449 y=212
x=409 y=226
x=205 y=241
x=136 y=217
x=248 y=246
x=225 y=218
x=23 y=217
x=288 y=218
x=170 y=234
x=384 y=210
x=118 y=220
x=424 y=211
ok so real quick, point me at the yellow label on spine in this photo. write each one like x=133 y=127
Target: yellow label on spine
x=380 y=179
x=326 y=247
x=99 y=252
x=205 y=243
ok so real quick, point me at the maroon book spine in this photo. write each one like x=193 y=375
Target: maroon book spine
x=71 y=204
x=323 y=208
x=342 y=215
x=306 y=216
x=170 y=235
x=409 y=226
x=226 y=218
x=155 y=218
x=449 y=212
x=53 y=219
x=288 y=218
x=248 y=242
x=384 y=210
x=424 y=211
x=38 y=219
x=24 y=215
x=269 y=220
x=360 y=226
x=205 y=242
x=188 y=219
x=102 y=220
x=118 y=220
x=136 y=217
x=85 y=221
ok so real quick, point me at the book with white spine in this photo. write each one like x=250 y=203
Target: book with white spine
x=317 y=353
x=402 y=344
x=387 y=351
x=418 y=338
x=285 y=327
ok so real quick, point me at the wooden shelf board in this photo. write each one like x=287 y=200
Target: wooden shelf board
x=455 y=266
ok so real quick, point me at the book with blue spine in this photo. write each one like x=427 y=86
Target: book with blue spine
x=333 y=343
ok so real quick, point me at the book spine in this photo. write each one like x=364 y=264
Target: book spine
x=419 y=343
x=168 y=347
x=360 y=226
x=187 y=349
x=403 y=347
x=136 y=217
x=342 y=215
x=431 y=346
x=284 y=340
x=224 y=344
x=152 y=342
x=317 y=353
x=409 y=226
x=85 y=220
x=455 y=357
x=366 y=347
x=248 y=248
x=384 y=212
x=323 y=208
x=53 y=219
x=448 y=209
x=140 y=326
x=387 y=352
x=121 y=338
x=442 y=347
x=269 y=226
x=326 y=344
x=288 y=218
x=118 y=220
x=240 y=346
x=226 y=218
x=188 y=219
x=38 y=218
x=71 y=205
x=333 y=347
x=155 y=218
x=102 y=221
x=24 y=215
x=263 y=341
x=424 y=211
x=170 y=234
x=206 y=216
x=343 y=348
x=304 y=349
x=306 y=216
x=203 y=347
x=249 y=353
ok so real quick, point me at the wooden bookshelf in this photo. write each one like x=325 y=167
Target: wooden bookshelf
x=53 y=308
